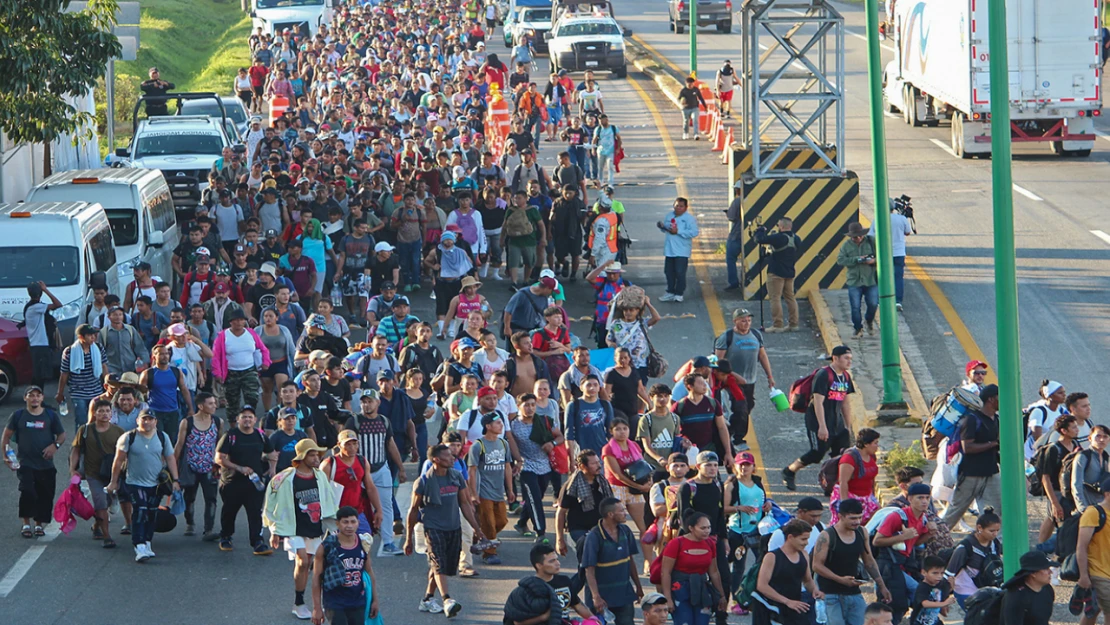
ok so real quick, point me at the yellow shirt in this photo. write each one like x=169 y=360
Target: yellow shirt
x=1098 y=553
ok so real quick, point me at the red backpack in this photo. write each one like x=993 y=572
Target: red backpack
x=801 y=391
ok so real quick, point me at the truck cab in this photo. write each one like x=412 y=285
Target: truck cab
x=303 y=17
x=585 y=36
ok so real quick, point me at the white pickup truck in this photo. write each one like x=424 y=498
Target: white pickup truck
x=303 y=16
x=942 y=71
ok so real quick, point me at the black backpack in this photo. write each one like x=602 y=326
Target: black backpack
x=1067 y=537
x=984 y=607
x=990 y=573
x=829 y=474
x=1065 y=474
x=1036 y=484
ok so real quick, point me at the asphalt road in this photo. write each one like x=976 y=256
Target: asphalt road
x=1063 y=253
x=70 y=580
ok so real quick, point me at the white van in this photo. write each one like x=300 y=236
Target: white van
x=139 y=208
x=60 y=243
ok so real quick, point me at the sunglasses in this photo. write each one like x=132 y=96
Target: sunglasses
x=979 y=372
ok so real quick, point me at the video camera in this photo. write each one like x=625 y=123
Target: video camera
x=904 y=206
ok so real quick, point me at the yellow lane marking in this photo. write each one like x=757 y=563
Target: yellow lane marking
x=701 y=254
x=659 y=56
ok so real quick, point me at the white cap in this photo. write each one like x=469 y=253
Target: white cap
x=382 y=246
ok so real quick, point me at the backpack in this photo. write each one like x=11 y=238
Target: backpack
x=829 y=475
x=743 y=595
x=1025 y=413
x=364 y=370
x=517 y=224
x=49 y=323
x=577 y=419
x=1065 y=474
x=801 y=391
x=873 y=527
x=1067 y=537
x=1036 y=484
x=984 y=607
x=165 y=481
x=991 y=573
x=946 y=410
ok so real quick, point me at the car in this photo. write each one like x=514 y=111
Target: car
x=15 y=358
x=710 y=13
x=586 y=39
x=233 y=106
x=535 y=19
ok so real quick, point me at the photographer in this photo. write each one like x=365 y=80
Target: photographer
x=901 y=226
x=858 y=255
x=783 y=246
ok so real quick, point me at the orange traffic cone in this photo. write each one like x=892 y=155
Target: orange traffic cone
x=728 y=147
x=719 y=137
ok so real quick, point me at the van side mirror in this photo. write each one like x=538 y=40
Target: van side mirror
x=122 y=152
x=548 y=36
x=627 y=32
x=253 y=13
x=157 y=238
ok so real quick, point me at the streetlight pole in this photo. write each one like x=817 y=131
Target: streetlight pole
x=888 y=315
x=694 y=40
x=1015 y=523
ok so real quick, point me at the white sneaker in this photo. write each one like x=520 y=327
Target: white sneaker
x=302 y=612
x=451 y=608
x=685 y=136
x=149 y=551
x=431 y=605
x=898 y=307
x=697 y=136
x=432 y=296
x=140 y=553
x=677 y=298
x=497 y=274
x=667 y=297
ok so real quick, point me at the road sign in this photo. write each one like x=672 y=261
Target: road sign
x=127 y=18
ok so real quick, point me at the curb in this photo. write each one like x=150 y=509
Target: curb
x=655 y=66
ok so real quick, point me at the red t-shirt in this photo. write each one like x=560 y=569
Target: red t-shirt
x=258 y=75
x=624 y=458
x=541 y=341
x=497 y=75
x=861 y=486
x=691 y=556
x=892 y=525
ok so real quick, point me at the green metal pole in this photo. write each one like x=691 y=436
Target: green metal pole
x=1015 y=521
x=694 y=40
x=888 y=315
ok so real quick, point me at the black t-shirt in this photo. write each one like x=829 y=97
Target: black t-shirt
x=340 y=392
x=625 y=392
x=187 y=252
x=835 y=388
x=689 y=97
x=1053 y=463
x=245 y=450
x=925 y=592
x=262 y=298
x=324 y=411
x=381 y=270
x=1022 y=606
x=34 y=433
x=577 y=518
x=286 y=446
x=426 y=359
x=306 y=496
x=521 y=139
x=979 y=428
x=708 y=499
x=568 y=597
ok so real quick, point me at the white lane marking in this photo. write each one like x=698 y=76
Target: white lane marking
x=944 y=146
x=1102 y=235
x=1029 y=194
x=20 y=569
x=881 y=45
x=1102 y=135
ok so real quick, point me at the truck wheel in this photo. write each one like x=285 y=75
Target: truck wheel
x=958 y=136
x=724 y=26
x=670 y=25
x=621 y=72
x=910 y=101
x=679 y=28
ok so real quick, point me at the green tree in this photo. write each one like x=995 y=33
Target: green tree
x=49 y=54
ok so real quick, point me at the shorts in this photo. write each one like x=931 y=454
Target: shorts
x=554 y=115
x=520 y=256
x=353 y=285
x=245 y=96
x=97 y=494
x=626 y=495
x=493 y=247
x=319 y=286
x=444 y=550
x=259 y=91
x=295 y=543
x=726 y=96
x=276 y=367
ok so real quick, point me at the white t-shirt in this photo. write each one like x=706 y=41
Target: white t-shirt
x=184 y=358
x=507 y=405
x=240 y=351
x=899 y=230
x=1041 y=416
x=490 y=366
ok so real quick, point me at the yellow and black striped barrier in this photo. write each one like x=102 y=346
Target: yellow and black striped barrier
x=820 y=207
x=800 y=160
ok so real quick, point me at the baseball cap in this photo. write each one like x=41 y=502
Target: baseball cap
x=203 y=251
x=318 y=354
x=707 y=456
x=31 y=389
x=840 y=350
x=809 y=504
x=652 y=599
x=389 y=286
x=484 y=391
x=468 y=342
x=677 y=456
x=385 y=374
x=399 y=301
x=287 y=412
x=221 y=287
x=701 y=361
x=548 y=283
x=491 y=417
x=745 y=457
x=741 y=312
x=178 y=329
x=382 y=246
x=975 y=364
x=370 y=394
x=239 y=249
x=317 y=321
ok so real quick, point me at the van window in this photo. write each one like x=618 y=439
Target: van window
x=55 y=265
x=103 y=250
x=160 y=211
x=125 y=225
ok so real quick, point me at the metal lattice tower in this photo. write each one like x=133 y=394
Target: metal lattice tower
x=793 y=76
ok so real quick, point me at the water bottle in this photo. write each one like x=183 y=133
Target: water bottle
x=609 y=617
x=336 y=296
x=257 y=482
x=13 y=462
x=822 y=617
x=63 y=409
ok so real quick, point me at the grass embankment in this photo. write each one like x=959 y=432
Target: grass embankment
x=196 y=44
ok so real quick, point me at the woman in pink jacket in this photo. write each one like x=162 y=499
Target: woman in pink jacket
x=237 y=356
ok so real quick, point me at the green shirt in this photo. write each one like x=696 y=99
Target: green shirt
x=528 y=240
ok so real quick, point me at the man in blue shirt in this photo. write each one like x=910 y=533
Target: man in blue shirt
x=679 y=229
x=589 y=417
x=393 y=327
x=611 y=584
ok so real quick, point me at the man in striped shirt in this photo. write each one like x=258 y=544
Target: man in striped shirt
x=81 y=372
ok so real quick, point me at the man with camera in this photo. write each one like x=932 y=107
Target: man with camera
x=857 y=254
x=783 y=246
x=901 y=226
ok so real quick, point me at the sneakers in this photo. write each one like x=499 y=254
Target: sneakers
x=514 y=507
x=190 y=530
x=398 y=527
x=431 y=606
x=225 y=544
x=391 y=549
x=492 y=560
x=773 y=330
x=432 y=296
x=149 y=551
x=677 y=298
x=788 y=479
x=870 y=328
x=667 y=297
x=262 y=549
x=898 y=307
x=302 y=612
x=793 y=328
x=210 y=537
x=697 y=136
x=742 y=446
x=858 y=333
x=451 y=608
x=685 y=136
x=141 y=554
x=524 y=531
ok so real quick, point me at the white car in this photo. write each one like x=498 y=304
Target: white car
x=581 y=42
x=535 y=19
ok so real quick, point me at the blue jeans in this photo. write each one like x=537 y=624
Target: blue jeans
x=422 y=441
x=845 y=609
x=856 y=296
x=733 y=250
x=409 y=256
x=80 y=408
x=684 y=613
x=144 y=505
x=674 y=267
x=899 y=278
